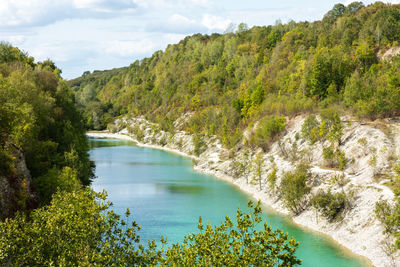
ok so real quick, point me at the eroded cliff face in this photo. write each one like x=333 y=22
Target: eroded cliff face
x=16 y=192
x=369 y=148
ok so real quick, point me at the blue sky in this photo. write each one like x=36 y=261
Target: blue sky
x=80 y=35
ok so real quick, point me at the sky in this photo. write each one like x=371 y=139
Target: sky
x=81 y=35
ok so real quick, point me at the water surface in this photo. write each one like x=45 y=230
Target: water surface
x=166 y=197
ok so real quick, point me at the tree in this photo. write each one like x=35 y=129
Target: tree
x=354 y=7
x=268 y=131
x=235 y=245
x=257 y=165
x=242 y=27
x=294 y=187
x=337 y=11
x=78 y=228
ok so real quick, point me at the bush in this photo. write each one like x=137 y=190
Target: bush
x=138 y=132
x=271 y=178
x=111 y=127
x=383 y=212
x=199 y=145
x=389 y=216
x=330 y=204
x=268 y=131
x=294 y=187
x=310 y=129
x=334 y=158
x=331 y=126
x=6 y=162
x=163 y=140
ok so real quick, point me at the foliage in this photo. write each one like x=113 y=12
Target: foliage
x=77 y=228
x=240 y=164
x=257 y=166
x=268 y=131
x=330 y=204
x=389 y=216
x=271 y=178
x=334 y=158
x=310 y=129
x=233 y=245
x=294 y=188
x=199 y=146
x=38 y=117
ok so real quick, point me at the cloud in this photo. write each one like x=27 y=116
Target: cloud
x=174 y=4
x=129 y=48
x=213 y=22
x=176 y=23
x=43 y=12
x=14 y=39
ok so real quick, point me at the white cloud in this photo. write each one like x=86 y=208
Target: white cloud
x=174 y=4
x=43 y=12
x=175 y=23
x=213 y=22
x=129 y=48
x=14 y=39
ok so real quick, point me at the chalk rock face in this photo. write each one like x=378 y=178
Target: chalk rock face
x=16 y=192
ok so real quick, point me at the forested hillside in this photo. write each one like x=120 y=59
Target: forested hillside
x=48 y=215
x=40 y=126
x=230 y=81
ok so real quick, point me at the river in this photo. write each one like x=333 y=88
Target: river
x=166 y=197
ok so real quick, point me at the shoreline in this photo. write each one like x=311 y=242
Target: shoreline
x=247 y=189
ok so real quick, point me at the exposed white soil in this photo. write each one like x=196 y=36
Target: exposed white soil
x=387 y=54
x=369 y=147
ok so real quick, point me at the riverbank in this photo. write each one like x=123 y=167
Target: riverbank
x=358 y=231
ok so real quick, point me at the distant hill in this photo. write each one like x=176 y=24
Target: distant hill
x=229 y=81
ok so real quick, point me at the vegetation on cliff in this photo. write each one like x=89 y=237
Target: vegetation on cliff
x=38 y=118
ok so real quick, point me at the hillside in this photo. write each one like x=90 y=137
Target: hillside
x=232 y=80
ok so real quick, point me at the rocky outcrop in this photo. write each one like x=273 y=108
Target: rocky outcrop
x=16 y=192
x=389 y=53
x=369 y=149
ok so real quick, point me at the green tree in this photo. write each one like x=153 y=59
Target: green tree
x=294 y=188
x=257 y=166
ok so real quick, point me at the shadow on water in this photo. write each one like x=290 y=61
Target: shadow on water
x=103 y=142
x=182 y=189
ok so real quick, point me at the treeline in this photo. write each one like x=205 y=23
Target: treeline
x=230 y=81
x=40 y=123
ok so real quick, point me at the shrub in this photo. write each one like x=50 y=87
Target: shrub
x=111 y=127
x=293 y=188
x=310 y=129
x=383 y=212
x=6 y=162
x=271 y=178
x=268 y=131
x=199 y=145
x=138 y=132
x=330 y=204
x=163 y=141
x=334 y=158
x=331 y=126
x=389 y=216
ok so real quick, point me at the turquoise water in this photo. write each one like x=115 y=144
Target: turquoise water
x=166 y=197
